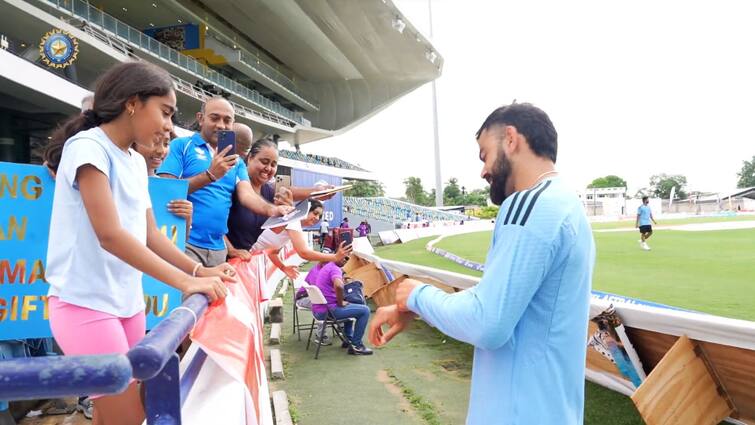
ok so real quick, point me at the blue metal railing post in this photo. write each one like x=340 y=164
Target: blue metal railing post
x=150 y=356
x=162 y=401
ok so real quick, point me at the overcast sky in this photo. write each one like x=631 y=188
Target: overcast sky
x=633 y=88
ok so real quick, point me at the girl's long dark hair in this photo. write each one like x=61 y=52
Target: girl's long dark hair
x=314 y=204
x=119 y=84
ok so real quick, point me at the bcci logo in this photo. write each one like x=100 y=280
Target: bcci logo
x=58 y=49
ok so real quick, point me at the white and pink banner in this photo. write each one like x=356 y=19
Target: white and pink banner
x=232 y=387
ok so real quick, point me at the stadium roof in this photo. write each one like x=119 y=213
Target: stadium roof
x=351 y=58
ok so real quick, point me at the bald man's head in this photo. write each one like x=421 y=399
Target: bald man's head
x=216 y=114
x=244 y=138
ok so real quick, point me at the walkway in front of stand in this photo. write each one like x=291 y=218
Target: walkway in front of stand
x=421 y=377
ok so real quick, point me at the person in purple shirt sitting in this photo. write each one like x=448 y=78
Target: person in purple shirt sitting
x=345 y=223
x=330 y=281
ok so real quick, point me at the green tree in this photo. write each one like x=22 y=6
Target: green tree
x=452 y=194
x=485 y=212
x=414 y=192
x=364 y=188
x=608 y=181
x=477 y=197
x=747 y=174
x=661 y=185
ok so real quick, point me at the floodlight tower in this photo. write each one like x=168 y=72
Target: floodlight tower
x=438 y=180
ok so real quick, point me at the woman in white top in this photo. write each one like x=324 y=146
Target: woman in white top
x=272 y=240
x=102 y=231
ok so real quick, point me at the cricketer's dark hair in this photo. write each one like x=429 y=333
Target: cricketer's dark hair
x=531 y=122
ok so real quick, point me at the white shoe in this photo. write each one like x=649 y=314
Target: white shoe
x=645 y=246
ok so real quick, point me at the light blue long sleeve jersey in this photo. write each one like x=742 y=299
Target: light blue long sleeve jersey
x=527 y=317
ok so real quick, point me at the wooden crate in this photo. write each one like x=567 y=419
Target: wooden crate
x=353 y=264
x=371 y=276
x=682 y=389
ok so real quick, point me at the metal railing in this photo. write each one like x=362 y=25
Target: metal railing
x=153 y=360
x=202 y=95
x=255 y=63
x=395 y=211
x=92 y=16
x=63 y=376
x=190 y=90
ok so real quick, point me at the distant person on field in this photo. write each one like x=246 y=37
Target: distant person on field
x=644 y=218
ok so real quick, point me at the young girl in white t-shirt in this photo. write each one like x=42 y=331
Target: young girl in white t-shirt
x=102 y=230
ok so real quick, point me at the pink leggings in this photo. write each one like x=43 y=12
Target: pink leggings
x=79 y=330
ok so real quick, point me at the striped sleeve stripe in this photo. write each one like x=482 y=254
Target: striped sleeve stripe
x=511 y=208
x=521 y=205
x=532 y=203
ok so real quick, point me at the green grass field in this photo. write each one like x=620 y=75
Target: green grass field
x=707 y=271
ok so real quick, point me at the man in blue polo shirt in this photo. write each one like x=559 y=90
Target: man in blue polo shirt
x=213 y=177
x=527 y=317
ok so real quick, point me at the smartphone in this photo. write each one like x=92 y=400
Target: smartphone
x=227 y=138
x=347 y=238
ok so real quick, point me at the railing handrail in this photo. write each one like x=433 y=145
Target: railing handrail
x=64 y=376
x=37 y=378
x=150 y=355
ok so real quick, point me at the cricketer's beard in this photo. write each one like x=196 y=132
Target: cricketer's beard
x=501 y=174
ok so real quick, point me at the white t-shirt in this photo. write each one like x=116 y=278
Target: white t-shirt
x=271 y=240
x=79 y=271
x=324 y=227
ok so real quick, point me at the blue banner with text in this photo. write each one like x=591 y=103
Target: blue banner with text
x=26 y=194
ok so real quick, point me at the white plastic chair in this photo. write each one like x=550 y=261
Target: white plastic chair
x=298 y=326
x=317 y=298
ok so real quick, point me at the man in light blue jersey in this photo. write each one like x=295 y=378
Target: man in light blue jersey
x=644 y=218
x=527 y=317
